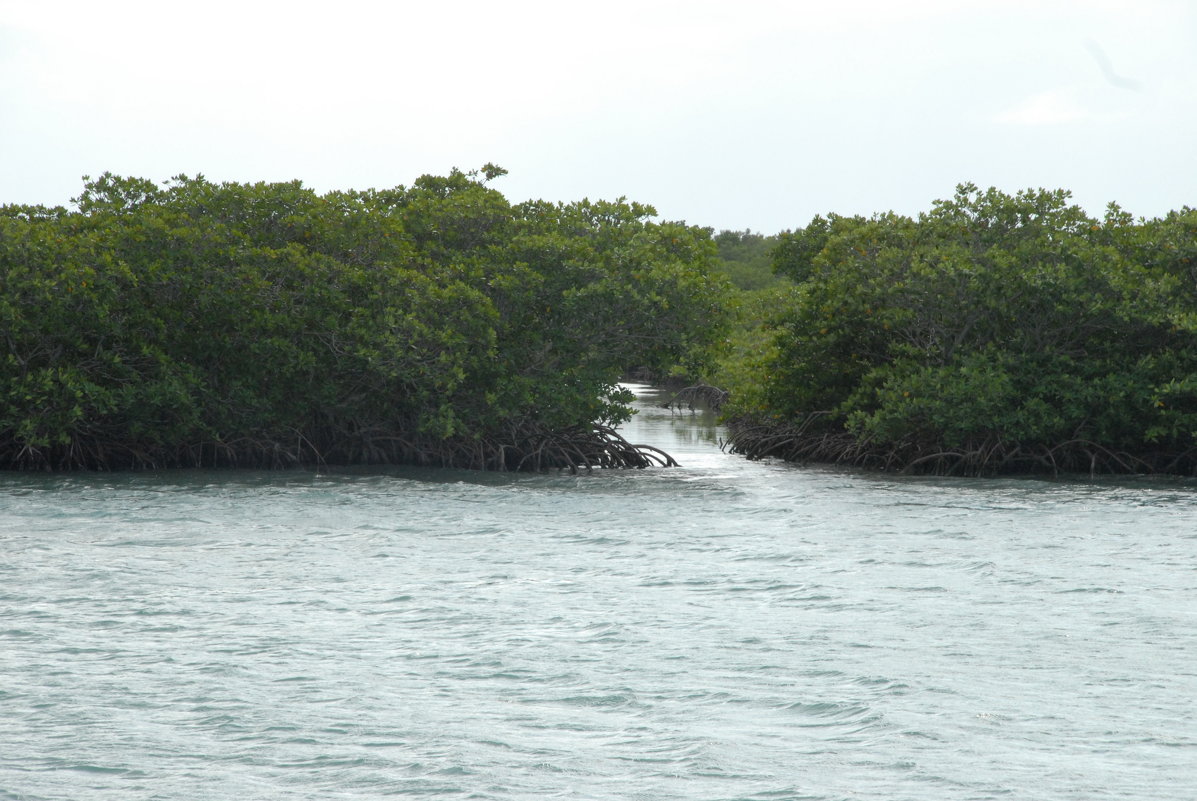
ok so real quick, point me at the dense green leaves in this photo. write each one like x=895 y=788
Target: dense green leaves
x=203 y=323
x=746 y=259
x=992 y=332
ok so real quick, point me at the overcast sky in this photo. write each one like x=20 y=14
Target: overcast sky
x=730 y=114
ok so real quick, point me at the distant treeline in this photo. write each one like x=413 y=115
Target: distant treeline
x=993 y=333
x=198 y=323
x=747 y=259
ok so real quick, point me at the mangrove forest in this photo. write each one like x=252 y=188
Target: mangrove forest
x=196 y=323
x=265 y=325
x=994 y=333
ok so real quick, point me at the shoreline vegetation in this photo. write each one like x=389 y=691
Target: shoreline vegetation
x=759 y=440
x=993 y=334
x=202 y=324
x=264 y=325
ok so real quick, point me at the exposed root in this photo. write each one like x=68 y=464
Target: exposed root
x=524 y=446
x=985 y=457
x=699 y=395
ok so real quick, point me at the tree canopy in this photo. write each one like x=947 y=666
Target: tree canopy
x=746 y=258
x=201 y=323
x=993 y=332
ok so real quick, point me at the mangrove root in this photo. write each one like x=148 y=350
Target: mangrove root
x=698 y=396
x=804 y=442
x=522 y=446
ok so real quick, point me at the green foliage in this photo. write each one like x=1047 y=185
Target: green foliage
x=750 y=344
x=203 y=323
x=745 y=257
x=1006 y=330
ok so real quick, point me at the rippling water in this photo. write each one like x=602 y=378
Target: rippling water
x=726 y=630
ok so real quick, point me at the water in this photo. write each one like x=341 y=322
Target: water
x=727 y=630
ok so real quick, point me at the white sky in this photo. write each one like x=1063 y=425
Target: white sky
x=732 y=114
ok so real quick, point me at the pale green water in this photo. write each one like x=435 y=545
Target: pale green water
x=727 y=630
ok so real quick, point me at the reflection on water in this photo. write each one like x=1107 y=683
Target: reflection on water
x=683 y=431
